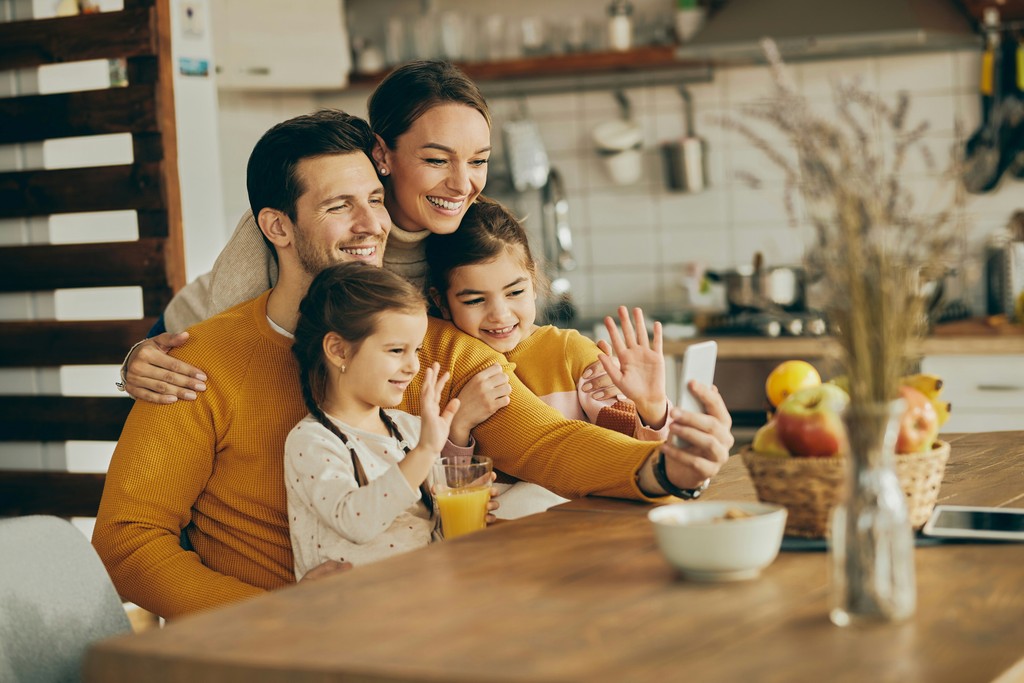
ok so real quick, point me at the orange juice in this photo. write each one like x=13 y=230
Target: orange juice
x=463 y=510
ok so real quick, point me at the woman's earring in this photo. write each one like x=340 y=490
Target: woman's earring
x=383 y=170
x=343 y=368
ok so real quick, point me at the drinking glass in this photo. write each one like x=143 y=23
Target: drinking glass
x=462 y=488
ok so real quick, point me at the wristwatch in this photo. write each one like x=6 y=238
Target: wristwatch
x=662 y=478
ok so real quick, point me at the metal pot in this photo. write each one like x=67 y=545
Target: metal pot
x=756 y=287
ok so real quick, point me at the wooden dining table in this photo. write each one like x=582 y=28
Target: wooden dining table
x=581 y=593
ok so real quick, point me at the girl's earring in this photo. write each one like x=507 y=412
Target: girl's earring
x=384 y=171
x=343 y=368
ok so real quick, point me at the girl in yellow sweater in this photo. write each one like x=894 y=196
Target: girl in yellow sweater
x=484 y=279
x=356 y=474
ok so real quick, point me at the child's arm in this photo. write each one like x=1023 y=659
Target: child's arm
x=435 y=425
x=482 y=396
x=640 y=373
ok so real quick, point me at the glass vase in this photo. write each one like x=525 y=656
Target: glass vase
x=871 y=540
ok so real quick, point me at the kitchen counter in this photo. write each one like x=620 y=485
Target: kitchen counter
x=975 y=336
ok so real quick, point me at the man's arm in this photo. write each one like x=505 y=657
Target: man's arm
x=531 y=440
x=160 y=467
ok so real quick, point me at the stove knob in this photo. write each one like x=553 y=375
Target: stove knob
x=771 y=328
x=816 y=326
x=795 y=327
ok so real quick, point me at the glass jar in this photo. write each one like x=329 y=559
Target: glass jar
x=871 y=542
x=620 y=25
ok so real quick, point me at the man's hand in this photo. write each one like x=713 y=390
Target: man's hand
x=707 y=439
x=328 y=568
x=484 y=395
x=152 y=375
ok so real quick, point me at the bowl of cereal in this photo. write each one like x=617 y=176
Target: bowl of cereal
x=719 y=540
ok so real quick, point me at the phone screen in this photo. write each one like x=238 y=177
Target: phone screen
x=698 y=364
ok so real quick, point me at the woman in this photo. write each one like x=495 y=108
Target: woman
x=433 y=142
x=433 y=130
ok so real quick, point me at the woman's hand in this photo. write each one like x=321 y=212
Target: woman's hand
x=640 y=371
x=484 y=395
x=435 y=423
x=152 y=375
x=706 y=439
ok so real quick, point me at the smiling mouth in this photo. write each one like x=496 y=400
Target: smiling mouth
x=501 y=331
x=445 y=204
x=360 y=252
x=400 y=385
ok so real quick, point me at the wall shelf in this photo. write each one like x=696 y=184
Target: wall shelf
x=579 y=71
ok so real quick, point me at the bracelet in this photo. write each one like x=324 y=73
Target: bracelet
x=662 y=478
x=122 y=385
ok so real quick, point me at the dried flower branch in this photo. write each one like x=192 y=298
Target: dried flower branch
x=873 y=249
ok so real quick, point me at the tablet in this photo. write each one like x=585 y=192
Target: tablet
x=963 y=521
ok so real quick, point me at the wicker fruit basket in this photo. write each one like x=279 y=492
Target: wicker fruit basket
x=811 y=487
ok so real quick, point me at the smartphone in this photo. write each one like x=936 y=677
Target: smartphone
x=966 y=521
x=698 y=364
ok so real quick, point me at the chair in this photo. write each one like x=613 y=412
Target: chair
x=56 y=599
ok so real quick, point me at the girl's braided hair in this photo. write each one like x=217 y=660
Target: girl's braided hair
x=346 y=299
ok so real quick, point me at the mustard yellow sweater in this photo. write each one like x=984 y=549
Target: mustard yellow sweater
x=215 y=465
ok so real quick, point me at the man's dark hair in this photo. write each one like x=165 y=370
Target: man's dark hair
x=271 y=178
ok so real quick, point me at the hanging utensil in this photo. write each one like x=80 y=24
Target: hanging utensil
x=558 y=254
x=528 y=162
x=685 y=160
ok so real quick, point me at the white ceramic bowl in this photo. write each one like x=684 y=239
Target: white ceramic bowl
x=696 y=538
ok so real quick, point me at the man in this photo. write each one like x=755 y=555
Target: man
x=213 y=467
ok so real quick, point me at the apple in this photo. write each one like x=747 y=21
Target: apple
x=809 y=421
x=919 y=425
x=767 y=441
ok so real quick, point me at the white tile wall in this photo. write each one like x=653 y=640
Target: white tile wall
x=633 y=241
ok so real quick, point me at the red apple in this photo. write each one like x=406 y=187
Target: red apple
x=809 y=421
x=767 y=441
x=919 y=426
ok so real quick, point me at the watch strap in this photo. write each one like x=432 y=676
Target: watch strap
x=661 y=476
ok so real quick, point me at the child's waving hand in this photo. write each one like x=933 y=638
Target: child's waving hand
x=640 y=373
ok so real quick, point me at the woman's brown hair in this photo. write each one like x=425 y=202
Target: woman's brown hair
x=412 y=89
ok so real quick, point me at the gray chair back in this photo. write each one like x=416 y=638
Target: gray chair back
x=55 y=600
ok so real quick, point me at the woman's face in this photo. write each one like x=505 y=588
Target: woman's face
x=437 y=168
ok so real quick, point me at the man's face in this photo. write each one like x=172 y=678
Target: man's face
x=340 y=215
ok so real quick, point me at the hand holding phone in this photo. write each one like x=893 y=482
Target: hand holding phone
x=698 y=364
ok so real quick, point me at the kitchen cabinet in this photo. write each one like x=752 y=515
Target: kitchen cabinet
x=269 y=45
x=987 y=392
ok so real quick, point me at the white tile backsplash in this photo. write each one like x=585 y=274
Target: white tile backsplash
x=632 y=241
x=932 y=72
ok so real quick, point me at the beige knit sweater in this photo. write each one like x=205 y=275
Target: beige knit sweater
x=246 y=268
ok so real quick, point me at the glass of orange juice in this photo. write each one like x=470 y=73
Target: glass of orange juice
x=462 y=487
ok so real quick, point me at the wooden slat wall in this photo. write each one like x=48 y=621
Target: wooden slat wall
x=154 y=262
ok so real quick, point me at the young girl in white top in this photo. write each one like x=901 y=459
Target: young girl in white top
x=484 y=279
x=356 y=473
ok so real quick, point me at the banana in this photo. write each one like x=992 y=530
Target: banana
x=942 y=409
x=927 y=384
